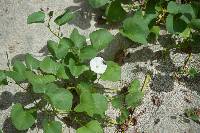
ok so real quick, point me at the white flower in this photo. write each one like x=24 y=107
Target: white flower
x=97 y=65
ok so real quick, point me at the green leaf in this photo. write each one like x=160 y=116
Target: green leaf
x=186 y=9
x=193 y=72
x=88 y=52
x=97 y=3
x=151 y=6
x=36 y=17
x=112 y=73
x=135 y=95
x=83 y=87
x=92 y=104
x=100 y=39
x=52 y=47
x=118 y=101
x=115 y=12
x=3 y=78
x=155 y=30
x=31 y=62
x=134 y=86
x=172 y=7
x=191 y=113
x=61 y=73
x=195 y=23
x=76 y=70
x=39 y=79
x=186 y=33
x=49 y=66
x=21 y=119
x=134 y=99
x=64 y=18
x=60 y=98
x=123 y=117
x=16 y=76
x=39 y=88
x=175 y=24
x=136 y=28
x=91 y=127
x=59 y=50
x=19 y=67
x=52 y=127
x=78 y=39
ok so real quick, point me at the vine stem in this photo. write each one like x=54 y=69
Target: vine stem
x=49 y=27
x=146 y=80
x=8 y=61
x=187 y=60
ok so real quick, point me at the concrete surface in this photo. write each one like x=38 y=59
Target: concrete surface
x=18 y=38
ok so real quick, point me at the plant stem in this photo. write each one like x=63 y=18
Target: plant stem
x=187 y=60
x=8 y=61
x=146 y=80
x=49 y=27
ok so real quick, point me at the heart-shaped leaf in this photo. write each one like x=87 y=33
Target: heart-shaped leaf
x=115 y=12
x=49 y=66
x=60 y=98
x=136 y=28
x=21 y=119
x=52 y=127
x=91 y=127
x=92 y=103
x=112 y=73
x=60 y=50
x=19 y=67
x=31 y=62
x=97 y=3
x=36 y=17
x=195 y=23
x=186 y=9
x=175 y=24
x=78 y=39
x=118 y=101
x=86 y=53
x=134 y=86
x=18 y=74
x=3 y=78
x=123 y=117
x=135 y=96
x=100 y=39
x=39 y=79
x=76 y=70
x=64 y=18
x=83 y=87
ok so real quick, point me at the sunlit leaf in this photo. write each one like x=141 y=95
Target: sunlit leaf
x=75 y=69
x=21 y=119
x=91 y=127
x=78 y=39
x=52 y=127
x=97 y=3
x=64 y=18
x=100 y=39
x=92 y=103
x=36 y=17
x=112 y=73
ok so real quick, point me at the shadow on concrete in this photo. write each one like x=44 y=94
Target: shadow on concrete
x=84 y=14
x=9 y=128
x=6 y=101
